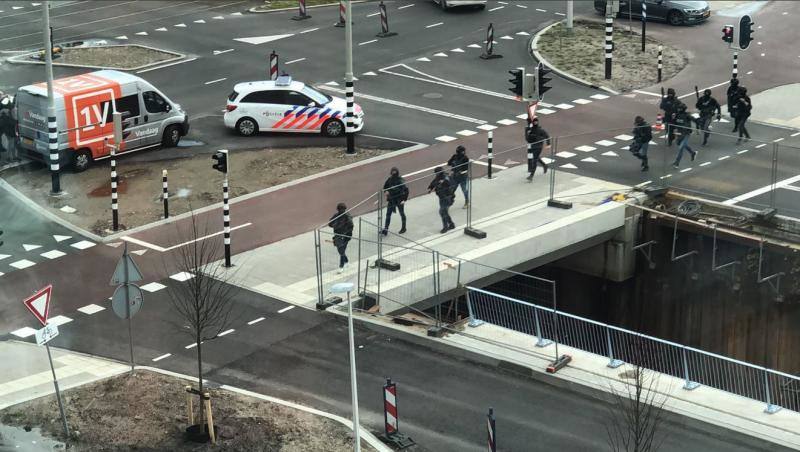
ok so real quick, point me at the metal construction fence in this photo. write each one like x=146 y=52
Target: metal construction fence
x=696 y=367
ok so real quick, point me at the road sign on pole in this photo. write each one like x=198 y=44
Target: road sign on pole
x=39 y=304
x=126 y=271
x=126 y=305
x=127 y=299
x=45 y=334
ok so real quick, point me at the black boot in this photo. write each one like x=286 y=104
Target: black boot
x=403 y=228
x=645 y=167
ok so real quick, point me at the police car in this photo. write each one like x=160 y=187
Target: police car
x=284 y=105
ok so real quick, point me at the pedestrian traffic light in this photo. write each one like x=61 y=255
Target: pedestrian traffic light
x=542 y=71
x=745 y=31
x=221 y=159
x=516 y=82
x=727 y=34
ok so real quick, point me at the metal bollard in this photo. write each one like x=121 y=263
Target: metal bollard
x=609 y=45
x=273 y=66
x=488 y=52
x=301 y=11
x=385 y=33
x=341 y=15
x=114 y=206
x=489 y=153
x=660 y=61
x=165 y=193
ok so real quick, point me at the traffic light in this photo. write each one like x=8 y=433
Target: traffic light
x=745 y=31
x=221 y=159
x=516 y=82
x=542 y=71
x=727 y=34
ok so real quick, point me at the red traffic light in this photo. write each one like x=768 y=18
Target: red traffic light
x=727 y=33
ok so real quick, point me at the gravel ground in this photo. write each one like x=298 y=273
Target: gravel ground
x=148 y=412
x=119 y=57
x=192 y=183
x=581 y=54
x=279 y=4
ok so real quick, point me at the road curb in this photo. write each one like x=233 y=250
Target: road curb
x=254 y=9
x=534 y=51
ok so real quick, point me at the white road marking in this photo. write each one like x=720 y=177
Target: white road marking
x=226 y=332
x=90 y=309
x=200 y=21
x=409 y=106
x=665 y=176
x=605 y=143
x=749 y=72
x=424 y=170
x=541 y=10
x=565 y=154
x=585 y=148
x=59 y=320
x=494 y=165
x=367 y=42
x=523 y=33
x=165 y=65
x=523 y=116
x=569 y=166
x=253 y=322
x=162 y=250
x=762 y=190
x=153 y=287
x=545 y=111
x=83 y=244
x=294 y=61
x=610 y=154
x=507 y=38
x=487 y=127
x=217 y=80
x=761 y=145
x=434 y=25
x=285 y=309
x=30 y=247
x=218 y=17
x=181 y=25
x=724 y=157
x=53 y=254
x=644 y=183
x=192 y=345
x=742 y=151
x=161 y=29
x=237 y=13
x=506 y=122
x=581 y=101
x=369 y=73
x=220 y=52
x=440 y=55
x=496 y=8
x=255 y=40
x=445 y=138
x=599 y=96
x=23 y=333
x=705 y=163
x=423 y=59
x=589 y=159
x=428 y=78
x=521 y=6
x=457 y=50
x=474 y=46
x=776 y=140
x=406 y=6
x=623 y=137
x=648 y=93
x=309 y=30
x=142 y=33
x=22 y=264
x=182 y=276
x=703 y=89
x=4 y=256
x=564 y=106
x=791 y=187
x=466 y=132
x=685 y=170
x=559 y=14
x=795 y=134
x=332 y=83
x=121 y=38
x=164 y=356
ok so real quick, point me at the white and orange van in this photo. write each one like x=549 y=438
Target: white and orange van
x=84 y=113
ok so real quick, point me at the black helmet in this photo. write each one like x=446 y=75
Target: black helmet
x=743 y=90
x=707 y=92
x=734 y=81
x=341 y=207
x=670 y=91
x=681 y=106
x=461 y=149
x=438 y=170
x=638 y=120
x=394 y=171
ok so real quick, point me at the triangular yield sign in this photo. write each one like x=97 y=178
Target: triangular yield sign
x=263 y=39
x=458 y=50
x=611 y=154
x=589 y=159
x=30 y=247
x=569 y=166
x=474 y=46
x=39 y=304
x=440 y=54
x=4 y=256
x=134 y=274
x=423 y=59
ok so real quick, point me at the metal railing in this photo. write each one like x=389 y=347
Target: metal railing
x=696 y=367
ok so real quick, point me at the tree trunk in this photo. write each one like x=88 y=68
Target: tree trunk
x=200 y=379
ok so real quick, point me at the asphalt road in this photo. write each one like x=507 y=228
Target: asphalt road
x=302 y=355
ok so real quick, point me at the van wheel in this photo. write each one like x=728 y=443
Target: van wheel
x=333 y=128
x=172 y=136
x=82 y=160
x=247 y=127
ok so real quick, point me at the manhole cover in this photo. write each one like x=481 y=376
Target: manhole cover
x=432 y=95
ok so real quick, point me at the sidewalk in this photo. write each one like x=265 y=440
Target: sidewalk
x=778 y=106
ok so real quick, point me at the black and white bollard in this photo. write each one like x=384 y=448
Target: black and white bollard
x=301 y=11
x=273 y=66
x=488 y=52
x=385 y=33
x=735 y=70
x=52 y=143
x=392 y=433
x=489 y=154
x=165 y=193
x=226 y=221
x=350 y=114
x=609 y=45
x=114 y=199
x=644 y=22
x=341 y=15
x=660 y=61
x=491 y=439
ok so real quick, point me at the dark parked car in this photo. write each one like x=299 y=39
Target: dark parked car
x=674 y=12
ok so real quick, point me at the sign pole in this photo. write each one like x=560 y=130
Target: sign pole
x=128 y=303
x=58 y=392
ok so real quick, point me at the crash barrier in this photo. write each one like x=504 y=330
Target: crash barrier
x=696 y=367
x=342 y=13
x=391 y=418
x=302 y=14
x=385 y=33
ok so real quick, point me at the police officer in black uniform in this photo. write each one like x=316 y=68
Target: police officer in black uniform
x=342 y=224
x=733 y=100
x=537 y=137
x=669 y=106
x=459 y=163
x=396 y=197
x=706 y=105
x=743 y=109
x=444 y=191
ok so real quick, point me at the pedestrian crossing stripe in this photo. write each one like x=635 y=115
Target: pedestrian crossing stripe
x=599 y=96
x=585 y=148
x=565 y=154
x=589 y=159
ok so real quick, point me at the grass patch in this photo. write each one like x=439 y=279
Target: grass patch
x=118 y=57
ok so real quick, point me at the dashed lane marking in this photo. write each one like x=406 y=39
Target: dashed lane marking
x=161 y=29
x=434 y=25
x=182 y=276
x=795 y=134
x=521 y=6
x=666 y=176
x=599 y=96
x=164 y=356
x=487 y=127
x=153 y=287
x=287 y=308
x=253 y=322
x=53 y=254
x=457 y=50
x=59 y=320
x=705 y=163
x=466 y=132
x=559 y=14
x=309 y=30
x=406 y=6
x=647 y=93
x=545 y=111
x=142 y=33
x=22 y=264
x=373 y=14
x=506 y=122
x=585 y=148
x=226 y=332
x=496 y=8
x=200 y=21
x=605 y=143
x=91 y=309
x=474 y=46
x=445 y=138
x=367 y=42
x=742 y=151
x=181 y=25
x=294 y=61
x=507 y=38
x=564 y=106
x=216 y=81
x=776 y=140
x=23 y=333
x=724 y=157
x=190 y=346
x=582 y=101
x=541 y=10
x=761 y=145
x=647 y=182
x=686 y=170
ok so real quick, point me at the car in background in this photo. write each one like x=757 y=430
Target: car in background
x=286 y=105
x=447 y=4
x=674 y=12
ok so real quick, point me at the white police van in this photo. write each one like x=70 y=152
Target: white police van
x=284 y=105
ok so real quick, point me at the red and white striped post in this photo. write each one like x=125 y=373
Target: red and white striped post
x=488 y=52
x=273 y=66
x=490 y=430
x=341 y=15
x=301 y=11
x=391 y=419
x=385 y=33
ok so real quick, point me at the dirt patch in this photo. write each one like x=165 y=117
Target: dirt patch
x=581 y=54
x=117 y=57
x=148 y=412
x=192 y=183
x=280 y=4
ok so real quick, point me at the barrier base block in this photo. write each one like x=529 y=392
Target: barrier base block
x=490 y=56
x=398 y=440
x=556 y=365
x=559 y=204
x=477 y=233
x=328 y=302
x=386 y=35
x=436 y=331
x=387 y=265
x=301 y=17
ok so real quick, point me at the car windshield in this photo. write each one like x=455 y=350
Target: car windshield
x=316 y=96
x=232 y=97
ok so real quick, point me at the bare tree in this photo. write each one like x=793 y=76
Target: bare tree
x=637 y=411
x=204 y=301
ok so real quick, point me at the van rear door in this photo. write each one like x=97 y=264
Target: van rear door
x=32 y=120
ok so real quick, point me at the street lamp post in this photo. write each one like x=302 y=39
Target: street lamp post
x=347 y=287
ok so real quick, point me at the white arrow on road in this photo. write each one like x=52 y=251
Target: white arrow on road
x=263 y=39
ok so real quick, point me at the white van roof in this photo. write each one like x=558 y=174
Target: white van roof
x=90 y=81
